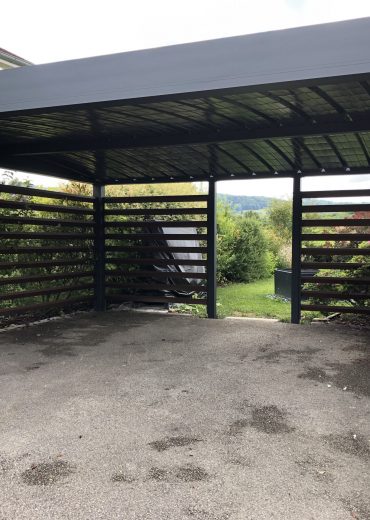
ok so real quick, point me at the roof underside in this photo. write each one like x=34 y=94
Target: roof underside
x=311 y=123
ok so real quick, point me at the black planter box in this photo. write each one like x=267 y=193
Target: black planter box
x=283 y=281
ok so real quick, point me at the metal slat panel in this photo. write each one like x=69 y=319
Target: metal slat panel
x=332 y=251
x=159 y=223
x=353 y=237
x=44 y=292
x=156 y=261
x=11 y=204
x=154 y=274
x=336 y=222
x=44 y=278
x=34 y=192
x=157 y=198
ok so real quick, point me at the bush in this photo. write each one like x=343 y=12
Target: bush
x=242 y=250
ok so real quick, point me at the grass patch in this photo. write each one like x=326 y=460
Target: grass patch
x=251 y=299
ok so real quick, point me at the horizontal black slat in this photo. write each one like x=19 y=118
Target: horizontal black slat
x=35 y=206
x=42 y=250
x=157 y=211
x=154 y=274
x=335 y=308
x=46 y=236
x=46 y=263
x=158 y=286
x=158 y=223
x=335 y=280
x=35 y=192
x=45 y=221
x=335 y=193
x=45 y=306
x=45 y=292
x=155 y=236
x=157 y=198
x=155 y=299
x=152 y=249
x=332 y=265
x=328 y=222
x=330 y=251
x=45 y=277
x=335 y=208
x=335 y=295
x=155 y=261
x=354 y=237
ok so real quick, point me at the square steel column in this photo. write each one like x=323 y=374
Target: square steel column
x=99 y=248
x=296 y=251
x=211 y=251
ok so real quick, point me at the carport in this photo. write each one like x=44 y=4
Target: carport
x=289 y=103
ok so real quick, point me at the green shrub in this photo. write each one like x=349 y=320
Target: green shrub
x=242 y=250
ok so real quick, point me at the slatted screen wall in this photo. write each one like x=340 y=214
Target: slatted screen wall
x=46 y=252
x=340 y=245
x=133 y=242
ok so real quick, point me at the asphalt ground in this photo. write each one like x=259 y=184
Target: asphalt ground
x=129 y=416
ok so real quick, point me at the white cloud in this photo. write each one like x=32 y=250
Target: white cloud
x=45 y=31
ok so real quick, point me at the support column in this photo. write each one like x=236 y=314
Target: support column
x=211 y=251
x=99 y=248
x=296 y=251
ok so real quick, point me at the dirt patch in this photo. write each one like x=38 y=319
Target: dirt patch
x=270 y=419
x=46 y=473
x=5 y=464
x=314 y=373
x=353 y=376
x=122 y=477
x=351 y=444
x=34 y=366
x=57 y=350
x=202 y=514
x=319 y=469
x=357 y=508
x=357 y=347
x=191 y=474
x=159 y=474
x=237 y=426
x=274 y=356
x=172 y=442
x=188 y=473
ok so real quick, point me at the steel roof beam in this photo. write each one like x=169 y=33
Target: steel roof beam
x=122 y=141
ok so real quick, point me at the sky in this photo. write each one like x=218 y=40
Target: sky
x=45 y=31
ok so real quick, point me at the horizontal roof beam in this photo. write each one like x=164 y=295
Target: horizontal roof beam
x=125 y=141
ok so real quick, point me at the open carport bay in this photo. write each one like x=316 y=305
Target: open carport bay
x=138 y=416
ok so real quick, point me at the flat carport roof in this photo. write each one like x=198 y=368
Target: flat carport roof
x=284 y=103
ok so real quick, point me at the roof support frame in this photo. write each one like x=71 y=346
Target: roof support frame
x=110 y=142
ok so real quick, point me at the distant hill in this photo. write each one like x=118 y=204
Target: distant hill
x=254 y=203
x=245 y=202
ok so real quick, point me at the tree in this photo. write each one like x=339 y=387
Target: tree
x=279 y=216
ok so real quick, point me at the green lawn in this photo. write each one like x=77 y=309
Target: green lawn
x=250 y=299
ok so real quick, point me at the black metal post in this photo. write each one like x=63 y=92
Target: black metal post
x=211 y=251
x=99 y=248
x=296 y=251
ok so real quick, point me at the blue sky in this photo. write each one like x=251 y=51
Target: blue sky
x=45 y=31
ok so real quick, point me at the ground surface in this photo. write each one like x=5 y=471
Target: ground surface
x=134 y=416
x=252 y=299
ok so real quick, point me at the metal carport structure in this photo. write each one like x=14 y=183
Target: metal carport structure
x=289 y=103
